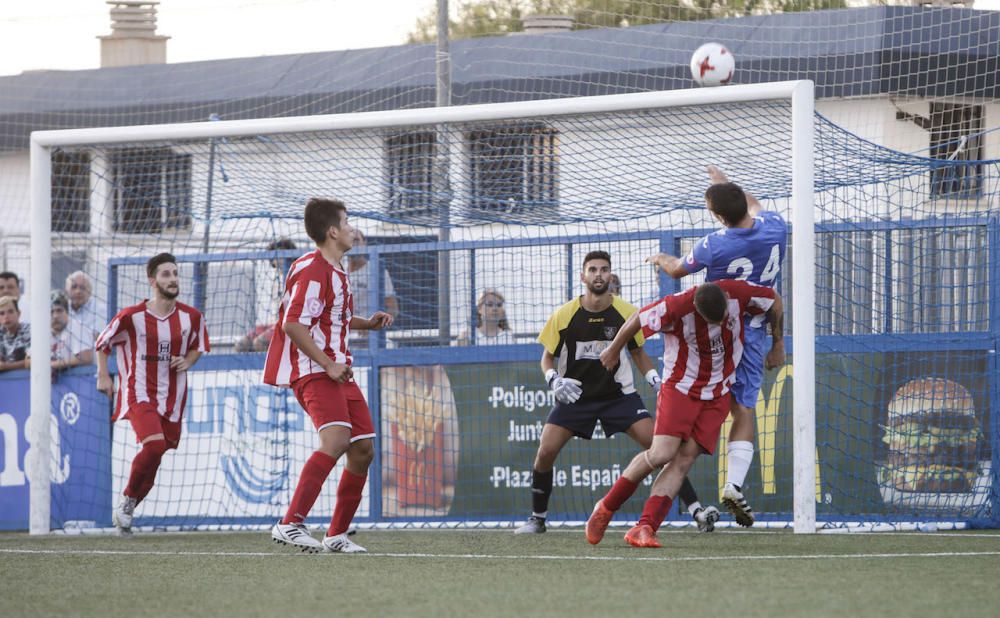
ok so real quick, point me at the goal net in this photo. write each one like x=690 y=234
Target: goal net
x=484 y=211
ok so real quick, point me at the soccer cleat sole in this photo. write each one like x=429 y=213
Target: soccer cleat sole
x=303 y=548
x=711 y=519
x=743 y=517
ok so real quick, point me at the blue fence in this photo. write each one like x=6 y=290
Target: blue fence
x=893 y=344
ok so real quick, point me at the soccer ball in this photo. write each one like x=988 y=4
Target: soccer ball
x=712 y=65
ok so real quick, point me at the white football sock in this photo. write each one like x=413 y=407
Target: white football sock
x=740 y=456
x=694 y=506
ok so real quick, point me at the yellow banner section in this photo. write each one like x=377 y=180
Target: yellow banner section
x=768 y=408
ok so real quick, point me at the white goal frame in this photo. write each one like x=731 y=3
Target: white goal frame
x=799 y=93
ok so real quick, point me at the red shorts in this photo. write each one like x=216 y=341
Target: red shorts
x=146 y=421
x=328 y=403
x=679 y=415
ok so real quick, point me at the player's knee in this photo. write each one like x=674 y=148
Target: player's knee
x=545 y=458
x=362 y=452
x=333 y=445
x=659 y=457
x=683 y=462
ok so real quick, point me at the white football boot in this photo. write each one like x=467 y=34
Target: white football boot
x=737 y=504
x=297 y=536
x=121 y=517
x=341 y=544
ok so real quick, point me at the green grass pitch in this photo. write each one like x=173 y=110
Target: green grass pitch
x=494 y=573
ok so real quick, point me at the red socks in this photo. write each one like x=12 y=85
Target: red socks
x=311 y=481
x=348 y=498
x=621 y=491
x=144 y=467
x=655 y=511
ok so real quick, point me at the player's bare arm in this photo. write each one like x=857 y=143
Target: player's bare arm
x=83 y=358
x=183 y=363
x=392 y=306
x=611 y=355
x=646 y=366
x=104 y=383
x=776 y=315
x=670 y=264
x=548 y=362
x=377 y=321
x=300 y=336
x=718 y=177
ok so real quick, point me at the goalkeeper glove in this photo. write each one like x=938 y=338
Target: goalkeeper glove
x=567 y=390
x=653 y=379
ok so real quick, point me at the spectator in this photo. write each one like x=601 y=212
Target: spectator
x=83 y=307
x=284 y=263
x=10 y=285
x=15 y=336
x=259 y=338
x=492 y=327
x=72 y=343
x=256 y=340
x=358 y=270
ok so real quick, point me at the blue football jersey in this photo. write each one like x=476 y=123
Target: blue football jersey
x=753 y=254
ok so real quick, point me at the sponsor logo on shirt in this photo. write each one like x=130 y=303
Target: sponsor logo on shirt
x=314 y=306
x=590 y=350
x=162 y=353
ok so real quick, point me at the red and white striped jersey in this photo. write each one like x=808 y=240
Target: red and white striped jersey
x=700 y=359
x=144 y=343
x=318 y=296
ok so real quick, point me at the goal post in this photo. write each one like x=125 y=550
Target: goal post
x=799 y=160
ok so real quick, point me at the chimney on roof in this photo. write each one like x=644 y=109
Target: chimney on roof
x=133 y=39
x=544 y=24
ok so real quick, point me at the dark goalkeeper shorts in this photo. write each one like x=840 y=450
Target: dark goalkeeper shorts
x=616 y=415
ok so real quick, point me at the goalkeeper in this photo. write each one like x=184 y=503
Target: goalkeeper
x=574 y=337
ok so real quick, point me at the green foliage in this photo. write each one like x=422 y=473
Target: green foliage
x=497 y=17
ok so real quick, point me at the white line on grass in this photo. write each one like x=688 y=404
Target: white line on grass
x=750 y=558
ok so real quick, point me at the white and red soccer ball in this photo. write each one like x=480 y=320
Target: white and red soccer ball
x=712 y=65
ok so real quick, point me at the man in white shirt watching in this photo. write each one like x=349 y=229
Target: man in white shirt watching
x=83 y=307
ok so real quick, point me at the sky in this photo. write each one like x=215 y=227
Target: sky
x=62 y=34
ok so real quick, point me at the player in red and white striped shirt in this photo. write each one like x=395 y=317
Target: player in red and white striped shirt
x=703 y=344
x=156 y=342
x=309 y=353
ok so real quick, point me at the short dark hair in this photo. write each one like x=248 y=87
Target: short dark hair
x=597 y=255
x=281 y=244
x=156 y=261
x=710 y=301
x=9 y=275
x=322 y=214
x=728 y=201
x=58 y=299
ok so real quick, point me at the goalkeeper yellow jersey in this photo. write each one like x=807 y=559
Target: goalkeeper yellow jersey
x=576 y=337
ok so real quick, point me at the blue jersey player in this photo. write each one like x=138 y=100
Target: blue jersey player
x=749 y=246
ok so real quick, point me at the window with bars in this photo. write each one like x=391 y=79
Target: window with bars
x=410 y=165
x=955 y=135
x=70 y=191
x=151 y=189
x=514 y=169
